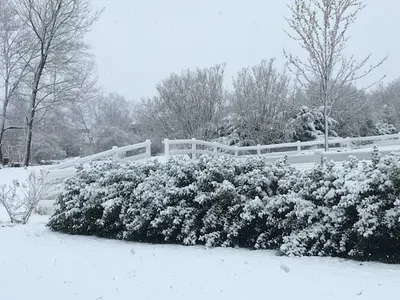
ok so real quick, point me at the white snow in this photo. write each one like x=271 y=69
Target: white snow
x=37 y=264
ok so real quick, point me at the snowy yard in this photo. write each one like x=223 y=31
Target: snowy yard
x=36 y=264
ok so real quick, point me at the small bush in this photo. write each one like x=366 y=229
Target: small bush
x=21 y=198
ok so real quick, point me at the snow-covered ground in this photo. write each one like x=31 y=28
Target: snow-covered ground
x=36 y=264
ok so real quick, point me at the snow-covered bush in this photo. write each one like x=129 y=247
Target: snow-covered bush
x=378 y=226
x=92 y=200
x=324 y=212
x=385 y=128
x=352 y=211
x=309 y=124
x=356 y=213
x=21 y=198
x=199 y=202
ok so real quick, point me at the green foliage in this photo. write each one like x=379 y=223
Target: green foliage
x=350 y=211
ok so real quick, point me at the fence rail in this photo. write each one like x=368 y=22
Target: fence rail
x=59 y=172
x=298 y=154
x=193 y=146
x=115 y=153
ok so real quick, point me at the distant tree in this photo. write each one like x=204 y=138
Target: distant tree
x=57 y=29
x=112 y=122
x=14 y=55
x=385 y=128
x=350 y=111
x=261 y=104
x=309 y=124
x=233 y=131
x=188 y=105
x=321 y=28
x=368 y=128
x=386 y=103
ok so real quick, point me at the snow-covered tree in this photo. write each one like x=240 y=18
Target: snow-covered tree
x=385 y=128
x=188 y=105
x=321 y=28
x=309 y=124
x=261 y=103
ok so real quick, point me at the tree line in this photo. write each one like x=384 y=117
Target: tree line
x=53 y=108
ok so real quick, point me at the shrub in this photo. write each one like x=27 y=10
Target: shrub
x=92 y=200
x=350 y=211
x=21 y=198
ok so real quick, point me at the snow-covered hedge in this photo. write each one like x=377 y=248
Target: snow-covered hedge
x=352 y=211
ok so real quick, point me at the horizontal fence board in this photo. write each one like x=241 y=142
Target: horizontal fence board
x=302 y=155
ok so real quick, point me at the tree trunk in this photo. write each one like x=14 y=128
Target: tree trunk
x=1 y=151
x=3 y=117
x=1 y=141
x=326 y=127
x=29 y=125
x=35 y=89
x=28 y=145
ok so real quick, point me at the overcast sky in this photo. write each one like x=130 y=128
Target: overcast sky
x=137 y=43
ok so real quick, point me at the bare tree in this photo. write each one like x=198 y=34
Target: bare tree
x=261 y=101
x=386 y=103
x=14 y=54
x=321 y=28
x=111 y=122
x=58 y=28
x=188 y=105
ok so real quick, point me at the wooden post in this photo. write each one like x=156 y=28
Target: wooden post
x=298 y=146
x=115 y=154
x=148 y=148
x=319 y=157
x=194 y=148
x=166 y=149
x=258 y=149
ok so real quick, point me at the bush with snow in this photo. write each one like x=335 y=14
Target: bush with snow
x=21 y=198
x=385 y=128
x=351 y=212
x=91 y=201
x=355 y=211
x=309 y=124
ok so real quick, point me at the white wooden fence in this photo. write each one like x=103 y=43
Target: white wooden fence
x=56 y=174
x=194 y=147
x=117 y=154
x=301 y=154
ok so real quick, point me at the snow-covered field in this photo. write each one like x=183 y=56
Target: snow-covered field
x=36 y=264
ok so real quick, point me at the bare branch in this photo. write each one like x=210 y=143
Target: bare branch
x=321 y=29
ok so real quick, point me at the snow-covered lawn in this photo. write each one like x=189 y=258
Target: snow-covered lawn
x=36 y=264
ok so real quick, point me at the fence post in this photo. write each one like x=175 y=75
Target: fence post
x=347 y=143
x=166 y=149
x=236 y=151
x=194 y=148
x=319 y=157
x=258 y=149
x=215 y=149
x=148 y=148
x=298 y=146
x=115 y=154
